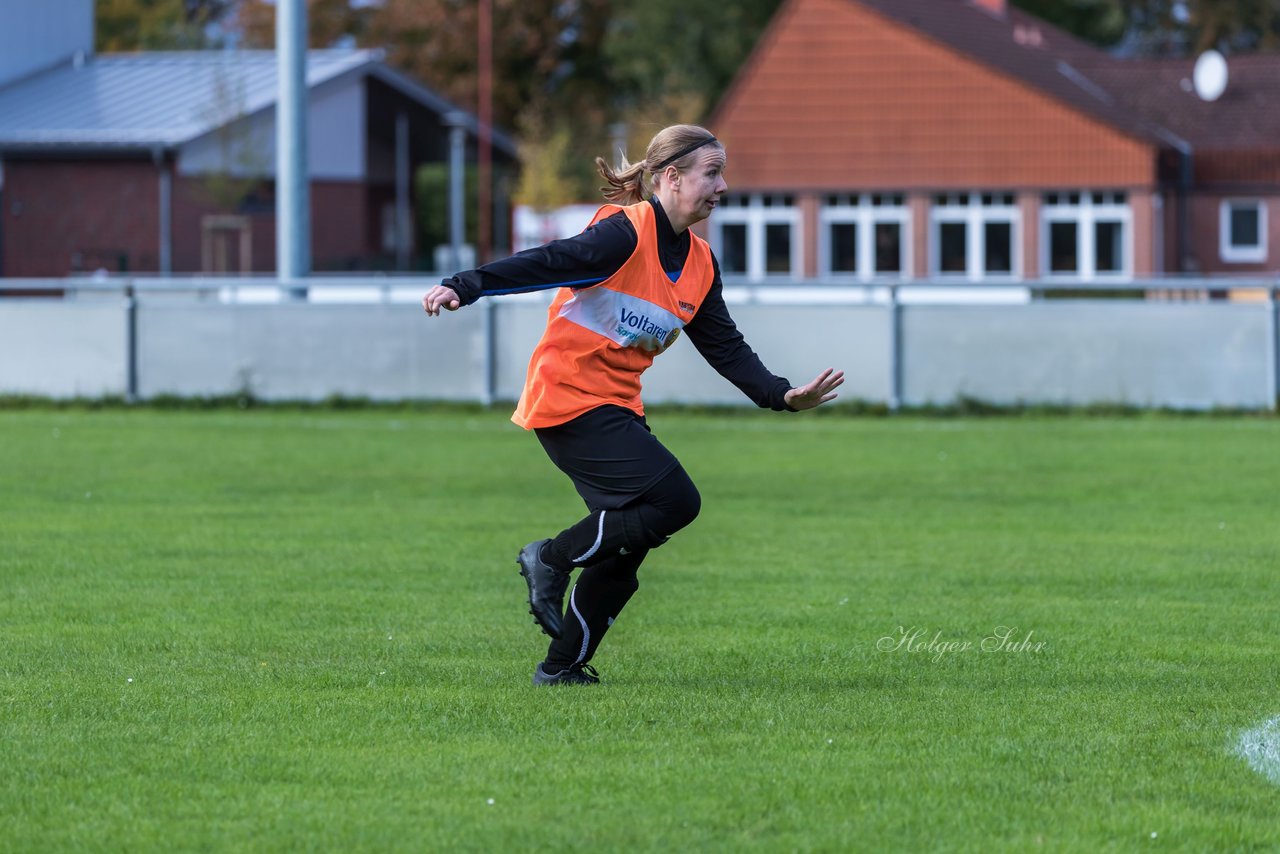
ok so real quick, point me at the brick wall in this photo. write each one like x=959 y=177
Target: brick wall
x=68 y=216
x=193 y=201
x=1206 y=233
x=338 y=225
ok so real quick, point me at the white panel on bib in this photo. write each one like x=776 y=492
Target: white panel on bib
x=622 y=318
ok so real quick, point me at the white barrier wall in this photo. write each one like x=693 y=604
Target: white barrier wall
x=793 y=341
x=302 y=351
x=57 y=348
x=1184 y=355
x=517 y=327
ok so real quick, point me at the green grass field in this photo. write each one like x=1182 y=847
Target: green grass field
x=279 y=629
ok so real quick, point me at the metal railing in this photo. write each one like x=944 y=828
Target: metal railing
x=893 y=295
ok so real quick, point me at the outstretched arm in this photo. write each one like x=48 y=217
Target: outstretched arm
x=580 y=261
x=818 y=392
x=717 y=338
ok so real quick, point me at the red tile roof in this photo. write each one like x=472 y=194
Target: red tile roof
x=875 y=102
x=1027 y=49
x=1150 y=99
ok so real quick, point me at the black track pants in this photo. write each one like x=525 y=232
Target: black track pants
x=638 y=495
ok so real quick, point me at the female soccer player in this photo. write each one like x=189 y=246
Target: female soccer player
x=628 y=285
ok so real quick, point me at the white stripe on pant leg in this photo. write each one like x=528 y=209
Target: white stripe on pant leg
x=596 y=545
x=586 y=632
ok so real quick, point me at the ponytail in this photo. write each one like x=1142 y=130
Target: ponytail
x=672 y=146
x=627 y=185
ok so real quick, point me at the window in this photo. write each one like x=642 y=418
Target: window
x=998 y=241
x=975 y=236
x=953 y=247
x=757 y=236
x=1064 y=252
x=890 y=248
x=1108 y=245
x=1242 y=231
x=862 y=236
x=777 y=247
x=733 y=249
x=843 y=247
x=1086 y=235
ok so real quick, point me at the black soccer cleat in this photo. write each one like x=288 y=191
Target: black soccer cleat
x=546 y=588
x=574 y=674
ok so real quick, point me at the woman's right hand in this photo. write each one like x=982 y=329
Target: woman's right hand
x=441 y=296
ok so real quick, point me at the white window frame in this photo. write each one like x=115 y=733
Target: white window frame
x=968 y=208
x=1241 y=254
x=860 y=210
x=1086 y=213
x=755 y=216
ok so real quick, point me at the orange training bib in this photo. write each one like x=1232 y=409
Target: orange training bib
x=599 y=340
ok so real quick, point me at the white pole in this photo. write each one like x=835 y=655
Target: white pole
x=293 y=198
x=895 y=349
x=1273 y=348
x=403 y=234
x=166 y=213
x=457 y=123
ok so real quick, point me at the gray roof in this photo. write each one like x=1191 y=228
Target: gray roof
x=163 y=100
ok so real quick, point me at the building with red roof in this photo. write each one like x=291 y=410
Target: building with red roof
x=874 y=140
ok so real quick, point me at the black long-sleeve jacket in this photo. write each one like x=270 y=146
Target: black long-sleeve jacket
x=600 y=251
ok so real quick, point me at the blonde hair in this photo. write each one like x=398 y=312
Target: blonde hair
x=632 y=182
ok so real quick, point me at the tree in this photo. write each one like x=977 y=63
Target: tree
x=548 y=73
x=1166 y=27
x=687 y=50
x=330 y=22
x=546 y=179
x=242 y=156
x=1102 y=22
x=538 y=45
x=1240 y=25
x=128 y=25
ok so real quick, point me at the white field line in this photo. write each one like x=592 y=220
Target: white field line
x=1260 y=747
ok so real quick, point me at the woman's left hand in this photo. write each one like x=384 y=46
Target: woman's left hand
x=816 y=393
